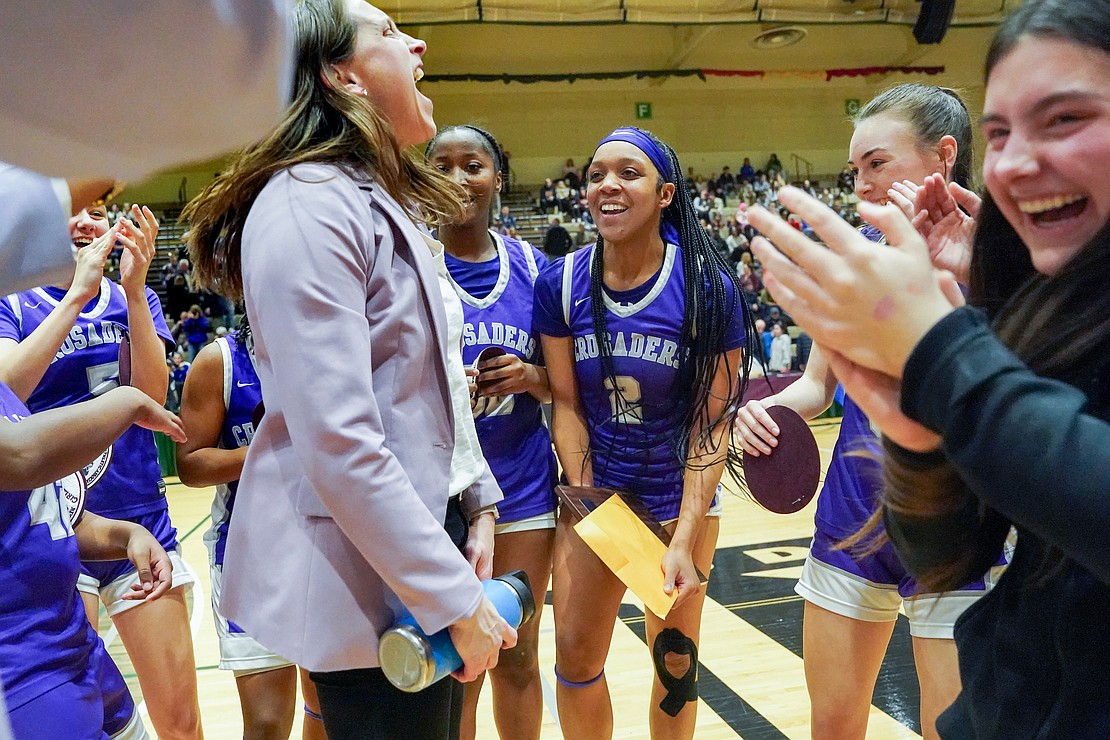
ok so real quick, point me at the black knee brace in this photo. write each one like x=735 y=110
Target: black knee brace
x=683 y=688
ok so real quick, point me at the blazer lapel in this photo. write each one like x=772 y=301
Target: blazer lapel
x=414 y=238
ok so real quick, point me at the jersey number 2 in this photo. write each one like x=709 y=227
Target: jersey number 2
x=624 y=399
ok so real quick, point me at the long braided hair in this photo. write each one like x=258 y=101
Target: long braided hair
x=708 y=311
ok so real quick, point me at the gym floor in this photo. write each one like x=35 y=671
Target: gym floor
x=752 y=683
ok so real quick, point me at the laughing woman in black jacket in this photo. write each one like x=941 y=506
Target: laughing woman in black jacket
x=995 y=415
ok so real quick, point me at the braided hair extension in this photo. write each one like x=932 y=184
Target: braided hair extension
x=243 y=333
x=487 y=139
x=707 y=313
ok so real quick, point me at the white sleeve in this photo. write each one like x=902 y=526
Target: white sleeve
x=35 y=248
x=5 y=728
x=169 y=82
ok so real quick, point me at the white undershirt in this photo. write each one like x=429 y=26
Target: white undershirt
x=467 y=463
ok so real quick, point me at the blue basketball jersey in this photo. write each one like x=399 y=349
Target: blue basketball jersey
x=850 y=494
x=852 y=483
x=125 y=480
x=629 y=438
x=242 y=393
x=514 y=440
x=45 y=638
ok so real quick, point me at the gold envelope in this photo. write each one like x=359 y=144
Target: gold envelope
x=631 y=550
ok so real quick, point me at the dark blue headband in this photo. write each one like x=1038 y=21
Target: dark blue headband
x=642 y=141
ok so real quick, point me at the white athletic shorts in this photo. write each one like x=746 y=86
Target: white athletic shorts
x=539 y=521
x=850 y=595
x=111 y=594
x=239 y=652
x=716 y=509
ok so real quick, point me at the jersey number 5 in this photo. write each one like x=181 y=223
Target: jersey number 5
x=103 y=378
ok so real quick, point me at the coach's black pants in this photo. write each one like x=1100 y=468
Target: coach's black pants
x=361 y=704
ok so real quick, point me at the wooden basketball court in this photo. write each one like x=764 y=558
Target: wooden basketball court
x=751 y=678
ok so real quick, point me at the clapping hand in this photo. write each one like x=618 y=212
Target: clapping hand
x=869 y=303
x=137 y=235
x=948 y=229
x=90 y=267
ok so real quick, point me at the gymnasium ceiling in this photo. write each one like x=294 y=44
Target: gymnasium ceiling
x=517 y=39
x=690 y=11
x=564 y=37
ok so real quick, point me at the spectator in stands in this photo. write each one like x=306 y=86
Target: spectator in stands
x=718 y=223
x=583 y=209
x=505 y=220
x=691 y=183
x=563 y=196
x=549 y=202
x=781 y=348
x=178 y=370
x=777 y=315
x=735 y=240
x=747 y=172
x=570 y=174
x=713 y=184
x=168 y=269
x=177 y=331
x=178 y=288
x=702 y=204
x=196 y=331
x=225 y=311
x=749 y=281
x=726 y=183
x=716 y=240
x=773 y=165
x=845 y=181
x=767 y=337
x=557 y=241
x=761 y=185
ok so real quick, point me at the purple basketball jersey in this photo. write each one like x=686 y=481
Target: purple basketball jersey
x=45 y=638
x=514 y=440
x=854 y=479
x=242 y=393
x=629 y=443
x=125 y=480
x=855 y=476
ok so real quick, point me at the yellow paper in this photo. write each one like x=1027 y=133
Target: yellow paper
x=631 y=550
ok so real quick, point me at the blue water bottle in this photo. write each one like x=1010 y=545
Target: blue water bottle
x=413 y=660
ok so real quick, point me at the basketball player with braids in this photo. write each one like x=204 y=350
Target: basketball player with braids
x=494 y=277
x=220 y=406
x=643 y=334
x=906 y=136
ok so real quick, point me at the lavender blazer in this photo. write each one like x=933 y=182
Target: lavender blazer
x=339 y=512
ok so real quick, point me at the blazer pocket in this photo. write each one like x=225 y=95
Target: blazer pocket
x=308 y=504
